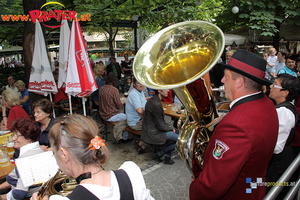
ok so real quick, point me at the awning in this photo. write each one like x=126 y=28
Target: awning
x=238 y=39
x=104 y=50
x=12 y=50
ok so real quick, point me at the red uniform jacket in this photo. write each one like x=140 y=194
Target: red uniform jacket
x=240 y=147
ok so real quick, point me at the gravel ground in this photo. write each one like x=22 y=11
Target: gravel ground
x=119 y=153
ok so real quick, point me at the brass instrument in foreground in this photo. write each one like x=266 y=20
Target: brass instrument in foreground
x=58 y=184
x=179 y=57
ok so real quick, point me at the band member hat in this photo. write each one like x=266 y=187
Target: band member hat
x=248 y=64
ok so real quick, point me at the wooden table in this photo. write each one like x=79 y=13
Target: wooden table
x=168 y=111
x=4 y=171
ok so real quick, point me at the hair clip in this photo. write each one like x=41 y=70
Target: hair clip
x=96 y=143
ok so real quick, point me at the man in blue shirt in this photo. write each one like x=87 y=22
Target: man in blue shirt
x=135 y=106
x=24 y=96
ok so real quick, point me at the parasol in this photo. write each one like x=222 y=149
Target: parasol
x=80 y=80
x=41 y=79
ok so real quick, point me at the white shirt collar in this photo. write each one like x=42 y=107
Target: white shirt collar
x=29 y=146
x=236 y=100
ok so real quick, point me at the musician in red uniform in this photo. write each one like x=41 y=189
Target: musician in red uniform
x=243 y=142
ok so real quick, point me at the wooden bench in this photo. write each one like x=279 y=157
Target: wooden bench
x=68 y=109
x=89 y=108
x=65 y=109
x=106 y=123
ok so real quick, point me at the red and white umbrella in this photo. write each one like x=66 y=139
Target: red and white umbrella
x=80 y=80
x=41 y=79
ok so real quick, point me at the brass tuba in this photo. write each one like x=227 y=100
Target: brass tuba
x=58 y=184
x=179 y=57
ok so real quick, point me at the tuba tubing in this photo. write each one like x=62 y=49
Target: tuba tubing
x=44 y=188
x=179 y=57
x=67 y=185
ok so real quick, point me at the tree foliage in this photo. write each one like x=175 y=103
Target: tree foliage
x=153 y=14
x=160 y=14
x=264 y=15
x=10 y=7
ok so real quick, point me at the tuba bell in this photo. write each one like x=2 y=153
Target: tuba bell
x=179 y=57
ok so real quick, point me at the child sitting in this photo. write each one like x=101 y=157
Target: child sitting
x=127 y=84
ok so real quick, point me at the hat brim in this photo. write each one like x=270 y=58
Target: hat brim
x=254 y=78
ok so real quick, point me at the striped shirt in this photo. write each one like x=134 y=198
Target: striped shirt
x=109 y=101
x=18 y=190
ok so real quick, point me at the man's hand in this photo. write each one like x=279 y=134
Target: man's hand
x=45 y=148
x=193 y=178
x=4 y=124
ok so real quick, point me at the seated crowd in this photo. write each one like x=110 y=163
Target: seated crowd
x=143 y=111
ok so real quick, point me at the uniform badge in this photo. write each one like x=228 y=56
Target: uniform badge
x=220 y=149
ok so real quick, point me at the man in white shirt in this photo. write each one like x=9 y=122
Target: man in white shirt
x=228 y=56
x=282 y=55
x=284 y=90
x=11 y=84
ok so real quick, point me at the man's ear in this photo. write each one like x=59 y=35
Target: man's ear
x=285 y=93
x=239 y=82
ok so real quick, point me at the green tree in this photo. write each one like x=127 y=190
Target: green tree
x=164 y=13
x=8 y=32
x=153 y=15
x=264 y=15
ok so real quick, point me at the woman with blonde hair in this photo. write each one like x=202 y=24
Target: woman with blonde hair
x=11 y=101
x=82 y=154
x=99 y=72
x=24 y=96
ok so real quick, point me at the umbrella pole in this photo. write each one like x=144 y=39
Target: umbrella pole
x=50 y=95
x=83 y=105
x=70 y=104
